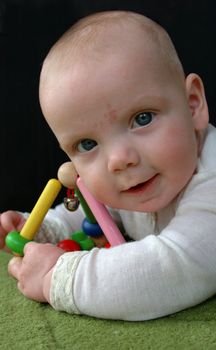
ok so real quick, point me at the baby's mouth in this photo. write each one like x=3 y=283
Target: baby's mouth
x=141 y=186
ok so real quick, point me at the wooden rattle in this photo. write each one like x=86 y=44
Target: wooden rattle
x=98 y=221
x=15 y=240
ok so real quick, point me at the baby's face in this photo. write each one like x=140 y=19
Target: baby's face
x=128 y=130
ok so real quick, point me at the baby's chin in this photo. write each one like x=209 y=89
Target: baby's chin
x=139 y=208
x=151 y=206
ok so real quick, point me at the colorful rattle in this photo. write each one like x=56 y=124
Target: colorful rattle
x=15 y=240
x=79 y=240
x=97 y=224
x=104 y=218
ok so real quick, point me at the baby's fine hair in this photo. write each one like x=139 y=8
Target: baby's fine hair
x=95 y=35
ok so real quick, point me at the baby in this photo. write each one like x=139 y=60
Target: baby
x=113 y=91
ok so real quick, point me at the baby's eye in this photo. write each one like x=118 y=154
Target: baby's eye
x=86 y=145
x=142 y=119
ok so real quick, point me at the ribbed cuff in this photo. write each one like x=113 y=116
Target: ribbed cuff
x=61 y=291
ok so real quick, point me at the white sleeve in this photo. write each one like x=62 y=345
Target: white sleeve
x=58 y=224
x=150 y=278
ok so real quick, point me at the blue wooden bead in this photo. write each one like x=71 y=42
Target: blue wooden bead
x=91 y=229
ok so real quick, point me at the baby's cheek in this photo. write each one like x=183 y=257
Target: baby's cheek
x=100 y=189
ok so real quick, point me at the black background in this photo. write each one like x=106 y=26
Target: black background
x=29 y=153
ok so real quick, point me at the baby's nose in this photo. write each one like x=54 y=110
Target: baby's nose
x=122 y=158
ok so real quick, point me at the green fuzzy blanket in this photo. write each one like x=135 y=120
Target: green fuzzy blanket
x=25 y=324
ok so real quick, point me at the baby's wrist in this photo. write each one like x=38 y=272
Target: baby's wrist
x=47 y=285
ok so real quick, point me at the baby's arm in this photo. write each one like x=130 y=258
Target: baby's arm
x=58 y=224
x=150 y=278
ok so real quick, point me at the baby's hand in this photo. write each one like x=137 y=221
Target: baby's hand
x=9 y=221
x=34 y=271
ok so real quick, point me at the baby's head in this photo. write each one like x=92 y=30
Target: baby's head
x=114 y=93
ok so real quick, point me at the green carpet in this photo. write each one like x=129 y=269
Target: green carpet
x=25 y=324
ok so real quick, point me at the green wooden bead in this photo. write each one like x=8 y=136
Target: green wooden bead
x=85 y=242
x=78 y=236
x=15 y=242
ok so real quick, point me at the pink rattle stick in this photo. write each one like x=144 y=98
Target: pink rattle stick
x=102 y=215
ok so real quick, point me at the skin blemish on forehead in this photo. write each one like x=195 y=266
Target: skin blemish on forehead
x=111 y=114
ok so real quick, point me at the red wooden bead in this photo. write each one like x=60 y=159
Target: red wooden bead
x=107 y=245
x=69 y=245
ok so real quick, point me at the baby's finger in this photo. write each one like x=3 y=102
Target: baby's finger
x=14 y=267
x=10 y=220
x=29 y=247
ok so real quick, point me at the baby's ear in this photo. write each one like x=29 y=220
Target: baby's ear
x=197 y=101
x=67 y=175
